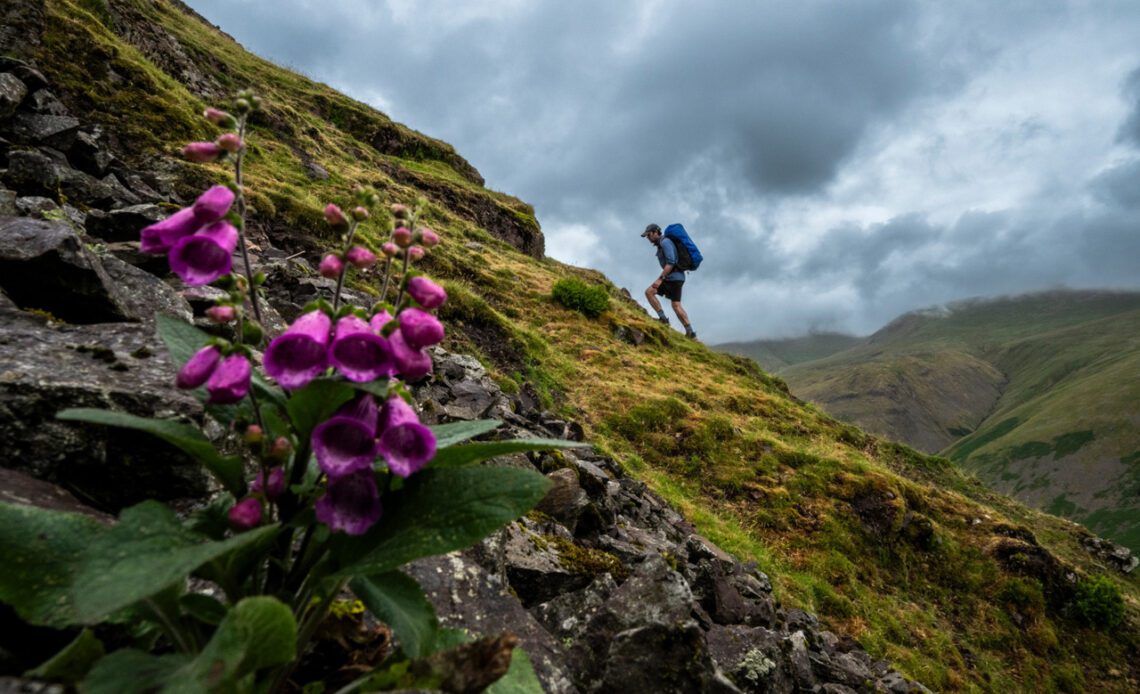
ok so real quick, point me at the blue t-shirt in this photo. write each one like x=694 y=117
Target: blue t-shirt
x=667 y=255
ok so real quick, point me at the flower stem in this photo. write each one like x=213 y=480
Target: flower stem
x=344 y=265
x=241 y=225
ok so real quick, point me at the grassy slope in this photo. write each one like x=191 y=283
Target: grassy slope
x=1035 y=394
x=892 y=547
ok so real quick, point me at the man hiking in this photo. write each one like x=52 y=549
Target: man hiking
x=671 y=280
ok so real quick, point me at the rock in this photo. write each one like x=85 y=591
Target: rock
x=466 y=594
x=120 y=194
x=25 y=72
x=659 y=658
x=470 y=401
x=45 y=368
x=629 y=334
x=752 y=658
x=35 y=206
x=43 y=265
x=795 y=652
x=43 y=101
x=18 y=488
x=44 y=129
x=142 y=295
x=8 y=203
x=535 y=568
x=316 y=171
x=32 y=172
x=123 y=224
x=88 y=154
x=566 y=500
x=566 y=615
x=12 y=93
x=1118 y=556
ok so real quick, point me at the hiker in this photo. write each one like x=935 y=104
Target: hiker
x=671 y=280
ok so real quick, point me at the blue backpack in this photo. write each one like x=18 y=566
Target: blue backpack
x=688 y=255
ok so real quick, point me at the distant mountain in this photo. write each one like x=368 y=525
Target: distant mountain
x=1039 y=395
x=774 y=355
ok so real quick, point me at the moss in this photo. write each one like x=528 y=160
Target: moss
x=582 y=560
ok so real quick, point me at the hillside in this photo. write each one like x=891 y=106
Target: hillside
x=960 y=588
x=774 y=355
x=1035 y=394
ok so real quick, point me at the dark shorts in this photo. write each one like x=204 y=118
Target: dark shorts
x=671 y=289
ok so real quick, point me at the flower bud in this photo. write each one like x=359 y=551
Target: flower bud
x=331 y=266
x=426 y=293
x=389 y=249
x=219 y=117
x=221 y=314
x=245 y=514
x=429 y=238
x=360 y=213
x=399 y=211
x=280 y=449
x=202 y=152
x=271 y=487
x=199 y=368
x=360 y=257
x=336 y=217
x=416 y=252
x=402 y=236
x=254 y=434
x=230 y=142
x=242 y=105
x=251 y=333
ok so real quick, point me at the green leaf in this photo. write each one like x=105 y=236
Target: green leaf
x=133 y=672
x=205 y=608
x=181 y=338
x=190 y=439
x=148 y=550
x=471 y=453
x=397 y=600
x=315 y=403
x=259 y=632
x=72 y=664
x=520 y=678
x=40 y=549
x=381 y=389
x=440 y=511
x=457 y=432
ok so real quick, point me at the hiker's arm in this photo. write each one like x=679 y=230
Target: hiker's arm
x=664 y=273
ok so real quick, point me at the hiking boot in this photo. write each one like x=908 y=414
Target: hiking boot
x=691 y=334
x=663 y=320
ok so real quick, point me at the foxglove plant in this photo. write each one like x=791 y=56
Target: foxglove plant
x=339 y=484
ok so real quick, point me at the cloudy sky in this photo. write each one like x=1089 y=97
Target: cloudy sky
x=839 y=162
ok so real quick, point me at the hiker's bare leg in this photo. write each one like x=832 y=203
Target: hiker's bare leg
x=680 y=311
x=651 y=294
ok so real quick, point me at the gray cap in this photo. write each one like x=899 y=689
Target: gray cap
x=651 y=227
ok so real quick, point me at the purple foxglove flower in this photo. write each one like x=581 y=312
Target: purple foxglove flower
x=359 y=352
x=360 y=213
x=426 y=293
x=161 y=236
x=330 y=267
x=202 y=152
x=360 y=257
x=402 y=237
x=206 y=255
x=299 y=354
x=405 y=443
x=351 y=503
x=221 y=314
x=416 y=252
x=230 y=381
x=213 y=204
x=346 y=442
x=412 y=364
x=389 y=249
x=245 y=514
x=379 y=320
x=419 y=328
x=276 y=484
x=197 y=370
x=399 y=211
x=428 y=237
